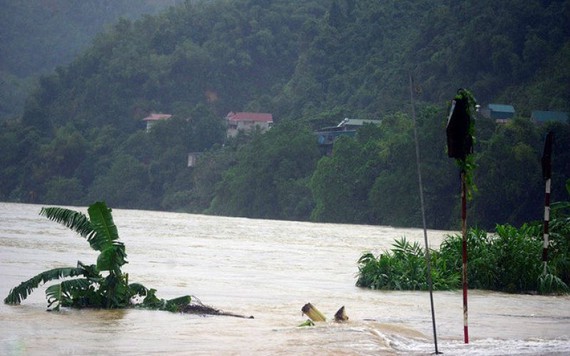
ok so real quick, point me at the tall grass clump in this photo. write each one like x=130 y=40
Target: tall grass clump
x=404 y=268
x=507 y=260
x=559 y=250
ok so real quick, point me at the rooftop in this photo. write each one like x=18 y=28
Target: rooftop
x=502 y=108
x=249 y=116
x=157 y=117
x=543 y=116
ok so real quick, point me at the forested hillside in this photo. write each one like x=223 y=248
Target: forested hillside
x=310 y=64
x=36 y=36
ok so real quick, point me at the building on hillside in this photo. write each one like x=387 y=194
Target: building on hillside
x=192 y=158
x=540 y=117
x=354 y=124
x=247 y=121
x=154 y=118
x=347 y=127
x=499 y=112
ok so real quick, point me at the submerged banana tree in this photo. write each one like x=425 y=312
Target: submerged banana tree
x=102 y=285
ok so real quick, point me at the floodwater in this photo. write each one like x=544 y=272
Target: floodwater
x=267 y=269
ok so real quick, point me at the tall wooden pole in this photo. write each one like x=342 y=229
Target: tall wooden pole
x=460 y=139
x=464 y=270
x=547 y=174
x=545 y=225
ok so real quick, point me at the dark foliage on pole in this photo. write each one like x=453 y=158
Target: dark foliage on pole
x=460 y=127
x=547 y=156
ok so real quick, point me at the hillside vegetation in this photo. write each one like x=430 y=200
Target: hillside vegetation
x=39 y=35
x=310 y=64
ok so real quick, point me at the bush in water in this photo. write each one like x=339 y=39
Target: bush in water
x=508 y=260
x=404 y=268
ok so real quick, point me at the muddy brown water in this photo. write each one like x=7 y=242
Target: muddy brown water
x=264 y=268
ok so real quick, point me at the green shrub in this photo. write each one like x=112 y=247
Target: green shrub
x=404 y=268
x=481 y=261
x=508 y=260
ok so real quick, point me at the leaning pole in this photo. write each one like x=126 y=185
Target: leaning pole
x=422 y=206
x=460 y=131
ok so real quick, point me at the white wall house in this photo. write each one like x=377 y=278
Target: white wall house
x=154 y=118
x=247 y=121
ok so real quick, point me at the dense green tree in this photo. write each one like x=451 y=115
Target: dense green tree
x=373 y=178
x=61 y=190
x=208 y=129
x=209 y=170
x=509 y=176
x=64 y=153
x=394 y=197
x=560 y=159
x=270 y=175
x=341 y=182
x=126 y=181
x=14 y=152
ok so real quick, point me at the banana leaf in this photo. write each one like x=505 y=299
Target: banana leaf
x=58 y=293
x=21 y=292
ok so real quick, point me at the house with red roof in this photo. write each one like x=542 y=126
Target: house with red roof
x=247 y=121
x=153 y=118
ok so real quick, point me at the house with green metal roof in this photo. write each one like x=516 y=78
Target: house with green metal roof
x=326 y=136
x=350 y=124
x=540 y=117
x=501 y=113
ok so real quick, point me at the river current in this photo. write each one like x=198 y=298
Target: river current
x=264 y=268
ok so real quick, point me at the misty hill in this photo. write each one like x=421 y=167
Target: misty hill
x=36 y=36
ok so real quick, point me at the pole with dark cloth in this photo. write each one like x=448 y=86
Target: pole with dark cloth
x=459 y=132
x=547 y=175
